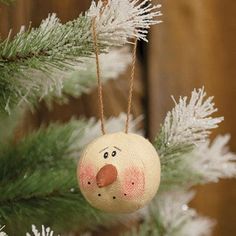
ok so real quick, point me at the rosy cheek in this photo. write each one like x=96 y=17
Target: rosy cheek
x=134 y=183
x=87 y=177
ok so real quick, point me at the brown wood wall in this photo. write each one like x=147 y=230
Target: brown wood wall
x=194 y=46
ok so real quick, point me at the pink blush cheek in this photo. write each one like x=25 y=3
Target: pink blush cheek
x=133 y=185
x=87 y=177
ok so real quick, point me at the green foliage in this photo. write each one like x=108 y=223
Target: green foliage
x=29 y=61
x=149 y=227
x=174 y=167
x=32 y=62
x=74 y=86
x=44 y=147
x=175 y=172
x=7 y=2
x=38 y=183
x=82 y=80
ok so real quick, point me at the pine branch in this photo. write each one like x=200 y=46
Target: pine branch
x=174 y=168
x=171 y=216
x=83 y=79
x=112 y=64
x=45 y=231
x=43 y=147
x=213 y=161
x=2 y=233
x=189 y=122
x=185 y=128
x=29 y=61
x=186 y=166
x=38 y=181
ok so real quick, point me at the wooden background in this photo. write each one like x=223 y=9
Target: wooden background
x=193 y=47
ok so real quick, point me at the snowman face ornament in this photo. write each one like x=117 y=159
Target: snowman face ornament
x=119 y=172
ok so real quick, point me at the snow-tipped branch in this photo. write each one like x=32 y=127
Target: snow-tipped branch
x=213 y=162
x=177 y=218
x=183 y=145
x=83 y=79
x=45 y=231
x=125 y=19
x=2 y=233
x=30 y=61
x=169 y=215
x=189 y=122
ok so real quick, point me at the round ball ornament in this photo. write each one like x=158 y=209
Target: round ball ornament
x=119 y=172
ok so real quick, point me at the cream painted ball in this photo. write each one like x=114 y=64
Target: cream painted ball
x=119 y=172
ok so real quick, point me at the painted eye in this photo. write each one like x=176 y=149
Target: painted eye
x=113 y=153
x=105 y=155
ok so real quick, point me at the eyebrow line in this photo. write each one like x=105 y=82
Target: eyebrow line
x=103 y=149
x=117 y=148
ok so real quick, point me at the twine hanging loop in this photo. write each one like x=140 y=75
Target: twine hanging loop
x=131 y=86
x=98 y=75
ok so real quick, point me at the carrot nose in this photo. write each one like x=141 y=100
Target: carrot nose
x=106 y=175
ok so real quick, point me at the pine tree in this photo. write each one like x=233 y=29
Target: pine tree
x=38 y=183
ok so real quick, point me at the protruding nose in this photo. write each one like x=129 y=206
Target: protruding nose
x=106 y=175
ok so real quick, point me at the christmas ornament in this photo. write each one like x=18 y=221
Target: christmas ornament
x=118 y=172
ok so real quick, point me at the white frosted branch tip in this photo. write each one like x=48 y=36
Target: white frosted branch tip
x=215 y=161
x=190 y=120
x=124 y=19
x=177 y=216
x=44 y=231
x=2 y=233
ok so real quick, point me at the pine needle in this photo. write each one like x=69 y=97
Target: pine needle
x=34 y=62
